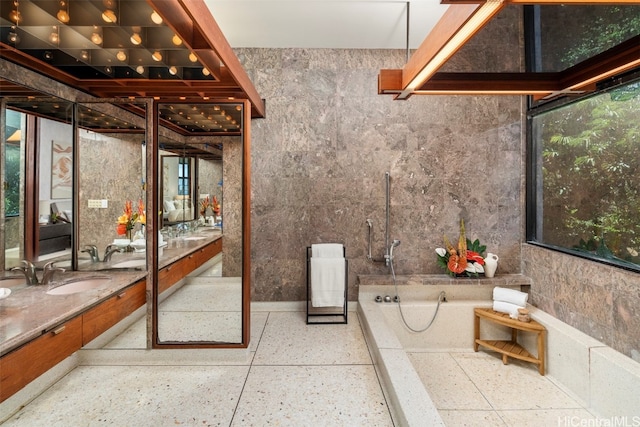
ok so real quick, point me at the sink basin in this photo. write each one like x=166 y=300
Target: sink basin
x=131 y=263
x=80 y=285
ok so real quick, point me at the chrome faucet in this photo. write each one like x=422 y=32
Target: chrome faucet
x=92 y=250
x=110 y=250
x=29 y=271
x=48 y=272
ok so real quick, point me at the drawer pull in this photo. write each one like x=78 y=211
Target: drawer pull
x=190 y=256
x=59 y=330
x=121 y=295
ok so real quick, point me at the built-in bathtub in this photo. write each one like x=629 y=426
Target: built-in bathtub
x=605 y=381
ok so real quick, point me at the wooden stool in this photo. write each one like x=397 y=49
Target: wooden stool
x=510 y=348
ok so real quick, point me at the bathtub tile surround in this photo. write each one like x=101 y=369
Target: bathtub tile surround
x=600 y=301
x=586 y=380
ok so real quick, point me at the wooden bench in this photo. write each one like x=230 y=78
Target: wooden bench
x=510 y=348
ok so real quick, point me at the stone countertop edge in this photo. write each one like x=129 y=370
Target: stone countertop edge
x=30 y=312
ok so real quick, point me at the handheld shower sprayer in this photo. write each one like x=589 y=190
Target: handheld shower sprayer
x=394 y=244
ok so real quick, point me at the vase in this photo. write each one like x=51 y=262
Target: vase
x=490 y=265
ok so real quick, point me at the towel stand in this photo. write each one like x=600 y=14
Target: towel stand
x=326 y=315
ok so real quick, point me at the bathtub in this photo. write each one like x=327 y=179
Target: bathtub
x=390 y=340
x=606 y=382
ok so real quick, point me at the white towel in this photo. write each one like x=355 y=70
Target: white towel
x=506 y=307
x=510 y=295
x=327 y=282
x=327 y=250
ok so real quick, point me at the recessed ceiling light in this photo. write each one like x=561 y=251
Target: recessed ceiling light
x=63 y=13
x=121 y=55
x=140 y=69
x=157 y=19
x=193 y=57
x=96 y=38
x=84 y=55
x=157 y=56
x=205 y=71
x=173 y=70
x=176 y=40
x=109 y=16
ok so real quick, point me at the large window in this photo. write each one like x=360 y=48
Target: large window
x=585 y=176
x=184 y=177
x=13 y=138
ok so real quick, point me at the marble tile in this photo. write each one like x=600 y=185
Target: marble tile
x=501 y=384
x=312 y=395
x=288 y=340
x=140 y=395
x=471 y=418
x=447 y=384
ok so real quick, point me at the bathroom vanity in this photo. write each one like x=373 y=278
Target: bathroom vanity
x=39 y=330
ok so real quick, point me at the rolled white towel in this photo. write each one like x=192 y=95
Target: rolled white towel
x=510 y=295
x=506 y=307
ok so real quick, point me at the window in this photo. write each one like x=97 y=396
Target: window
x=13 y=136
x=584 y=180
x=184 y=179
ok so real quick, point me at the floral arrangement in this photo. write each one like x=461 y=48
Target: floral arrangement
x=465 y=260
x=210 y=203
x=128 y=219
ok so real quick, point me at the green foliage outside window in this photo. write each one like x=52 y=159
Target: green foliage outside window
x=590 y=167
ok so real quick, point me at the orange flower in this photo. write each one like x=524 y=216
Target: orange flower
x=121 y=229
x=142 y=217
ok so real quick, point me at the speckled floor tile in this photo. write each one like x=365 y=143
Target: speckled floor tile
x=288 y=340
x=138 y=396
x=551 y=417
x=472 y=418
x=517 y=385
x=199 y=295
x=222 y=326
x=312 y=396
x=135 y=336
x=446 y=382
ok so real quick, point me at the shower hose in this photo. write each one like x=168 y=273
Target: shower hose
x=441 y=297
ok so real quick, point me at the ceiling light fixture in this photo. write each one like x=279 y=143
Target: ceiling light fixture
x=84 y=55
x=193 y=57
x=206 y=72
x=54 y=37
x=140 y=69
x=15 y=15
x=173 y=70
x=13 y=35
x=96 y=38
x=157 y=19
x=48 y=55
x=63 y=13
x=176 y=40
x=157 y=56
x=109 y=16
x=121 y=55
x=136 y=39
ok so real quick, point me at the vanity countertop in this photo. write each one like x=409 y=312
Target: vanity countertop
x=29 y=311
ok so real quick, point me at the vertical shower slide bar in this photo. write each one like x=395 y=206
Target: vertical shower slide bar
x=386 y=231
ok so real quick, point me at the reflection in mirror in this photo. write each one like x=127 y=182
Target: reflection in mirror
x=111 y=190
x=37 y=212
x=201 y=200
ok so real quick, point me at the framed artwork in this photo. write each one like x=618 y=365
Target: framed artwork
x=61 y=169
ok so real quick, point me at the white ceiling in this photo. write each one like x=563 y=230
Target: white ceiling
x=358 y=24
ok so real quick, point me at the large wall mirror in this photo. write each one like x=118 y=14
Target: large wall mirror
x=200 y=193
x=72 y=169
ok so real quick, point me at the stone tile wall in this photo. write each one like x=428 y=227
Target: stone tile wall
x=601 y=301
x=319 y=160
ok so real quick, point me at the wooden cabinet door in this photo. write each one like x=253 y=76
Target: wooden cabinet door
x=26 y=363
x=111 y=311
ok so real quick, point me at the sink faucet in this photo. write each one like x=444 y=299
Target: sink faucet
x=110 y=250
x=29 y=271
x=48 y=272
x=92 y=250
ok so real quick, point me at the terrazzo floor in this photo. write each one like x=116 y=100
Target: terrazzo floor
x=293 y=374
